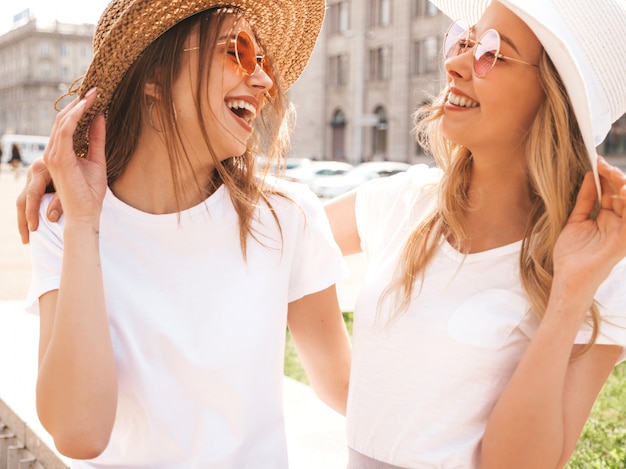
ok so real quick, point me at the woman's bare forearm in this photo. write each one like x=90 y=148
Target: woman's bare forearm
x=77 y=384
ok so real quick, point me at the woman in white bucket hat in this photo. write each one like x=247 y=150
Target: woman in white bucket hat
x=494 y=306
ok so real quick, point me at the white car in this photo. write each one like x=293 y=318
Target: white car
x=309 y=172
x=262 y=164
x=332 y=186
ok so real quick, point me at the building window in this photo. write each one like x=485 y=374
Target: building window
x=431 y=10
x=63 y=50
x=338 y=70
x=379 y=13
x=426 y=55
x=45 y=49
x=379 y=64
x=338 y=17
x=424 y=8
x=338 y=125
x=379 y=133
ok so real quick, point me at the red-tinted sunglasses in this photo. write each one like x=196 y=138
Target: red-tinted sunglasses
x=242 y=48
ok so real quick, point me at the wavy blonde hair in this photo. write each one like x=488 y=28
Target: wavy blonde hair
x=557 y=162
x=161 y=63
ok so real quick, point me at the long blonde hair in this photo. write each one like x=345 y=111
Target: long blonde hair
x=161 y=62
x=557 y=162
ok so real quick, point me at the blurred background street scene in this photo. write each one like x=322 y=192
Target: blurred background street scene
x=375 y=62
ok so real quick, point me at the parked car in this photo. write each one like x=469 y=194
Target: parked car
x=309 y=171
x=293 y=163
x=262 y=164
x=331 y=186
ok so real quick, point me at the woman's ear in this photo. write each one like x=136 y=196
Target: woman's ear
x=152 y=90
x=152 y=87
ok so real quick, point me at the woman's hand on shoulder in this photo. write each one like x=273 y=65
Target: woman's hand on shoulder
x=588 y=248
x=80 y=182
x=38 y=179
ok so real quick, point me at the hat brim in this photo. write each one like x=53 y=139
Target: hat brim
x=288 y=29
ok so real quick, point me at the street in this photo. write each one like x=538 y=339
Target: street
x=14 y=256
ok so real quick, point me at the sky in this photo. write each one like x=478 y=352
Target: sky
x=66 y=11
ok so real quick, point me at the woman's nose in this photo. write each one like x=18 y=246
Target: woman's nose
x=460 y=65
x=261 y=78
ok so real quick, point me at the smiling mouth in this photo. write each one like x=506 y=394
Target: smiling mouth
x=243 y=110
x=461 y=101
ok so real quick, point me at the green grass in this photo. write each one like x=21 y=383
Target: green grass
x=293 y=368
x=602 y=444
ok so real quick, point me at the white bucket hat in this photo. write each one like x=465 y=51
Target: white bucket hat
x=585 y=41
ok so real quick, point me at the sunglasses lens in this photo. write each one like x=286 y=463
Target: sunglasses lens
x=245 y=53
x=248 y=59
x=455 y=40
x=486 y=52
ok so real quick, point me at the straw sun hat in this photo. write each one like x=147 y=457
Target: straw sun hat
x=585 y=41
x=287 y=28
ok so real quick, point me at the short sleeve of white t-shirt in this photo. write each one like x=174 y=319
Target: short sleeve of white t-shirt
x=611 y=300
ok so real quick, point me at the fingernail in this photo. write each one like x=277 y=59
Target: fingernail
x=54 y=216
x=90 y=92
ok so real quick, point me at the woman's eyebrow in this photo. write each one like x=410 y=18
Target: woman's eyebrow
x=509 y=42
x=503 y=38
x=225 y=37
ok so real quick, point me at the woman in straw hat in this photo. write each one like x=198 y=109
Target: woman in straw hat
x=165 y=290
x=494 y=306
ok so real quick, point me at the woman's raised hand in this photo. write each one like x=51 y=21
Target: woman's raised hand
x=80 y=182
x=588 y=248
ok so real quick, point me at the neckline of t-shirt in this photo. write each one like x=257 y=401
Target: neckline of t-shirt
x=213 y=199
x=500 y=251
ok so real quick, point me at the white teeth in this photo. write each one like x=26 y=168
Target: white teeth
x=461 y=101
x=235 y=105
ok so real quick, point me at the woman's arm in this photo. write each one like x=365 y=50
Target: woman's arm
x=342 y=217
x=538 y=419
x=77 y=383
x=320 y=336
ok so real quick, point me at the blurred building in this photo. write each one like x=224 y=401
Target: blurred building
x=374 y=63
x=37 y=63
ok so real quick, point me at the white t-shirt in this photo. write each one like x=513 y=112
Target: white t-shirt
x=198 y=333
x=422 y=387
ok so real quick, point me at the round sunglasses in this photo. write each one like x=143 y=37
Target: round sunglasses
x=241 y=47
x=486 y=50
